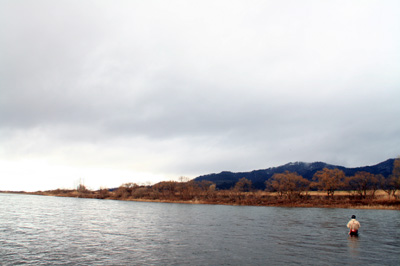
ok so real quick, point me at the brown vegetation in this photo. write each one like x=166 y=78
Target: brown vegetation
x=193 y=193
x=284 y=189
x=329 y=180
x=288 y=185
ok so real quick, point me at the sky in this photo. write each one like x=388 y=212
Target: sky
x=110 y=92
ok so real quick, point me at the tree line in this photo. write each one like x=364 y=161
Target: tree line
x=364 y=184
x=281 y=188
x=288 y=185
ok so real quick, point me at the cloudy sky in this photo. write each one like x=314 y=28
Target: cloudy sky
x=109 y=92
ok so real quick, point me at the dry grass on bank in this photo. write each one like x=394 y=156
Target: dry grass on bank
x=341 y=199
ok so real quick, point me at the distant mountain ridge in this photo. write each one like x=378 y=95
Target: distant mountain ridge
x=226 y=179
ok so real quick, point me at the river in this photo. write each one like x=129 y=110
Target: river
x=41 y=230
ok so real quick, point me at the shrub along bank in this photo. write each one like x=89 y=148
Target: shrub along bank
x=363 y=190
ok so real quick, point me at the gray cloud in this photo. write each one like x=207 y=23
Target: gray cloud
x=183 y=88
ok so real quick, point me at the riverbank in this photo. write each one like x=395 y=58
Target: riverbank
x=313 y=199
x=385 y=205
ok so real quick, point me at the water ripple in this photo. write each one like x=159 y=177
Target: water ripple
x=37 y=230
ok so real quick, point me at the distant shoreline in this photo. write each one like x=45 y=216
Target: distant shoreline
x=313 y=200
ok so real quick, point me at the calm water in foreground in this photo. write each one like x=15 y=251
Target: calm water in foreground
x=39 y=230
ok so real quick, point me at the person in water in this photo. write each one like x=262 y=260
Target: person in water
x=353 y=225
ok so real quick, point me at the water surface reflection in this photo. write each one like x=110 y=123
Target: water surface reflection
x=65 y=231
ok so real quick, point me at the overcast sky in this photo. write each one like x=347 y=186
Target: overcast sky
x=143 y=91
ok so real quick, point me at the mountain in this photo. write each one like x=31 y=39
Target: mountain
x=226 y=179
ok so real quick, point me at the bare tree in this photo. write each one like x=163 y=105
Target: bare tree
x=288 y=184
x=82 y=189
x=362 y=182
x=188 y=190
x=386 y=185
x=126 y=190
x=394 y=181
x=103 y=193
x=243 y=185
x=329 y=180
x=165 y=189
x=184 y=179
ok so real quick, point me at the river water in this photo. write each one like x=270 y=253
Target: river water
x=40 y=230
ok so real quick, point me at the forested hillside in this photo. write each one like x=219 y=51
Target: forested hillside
x=226 y=180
